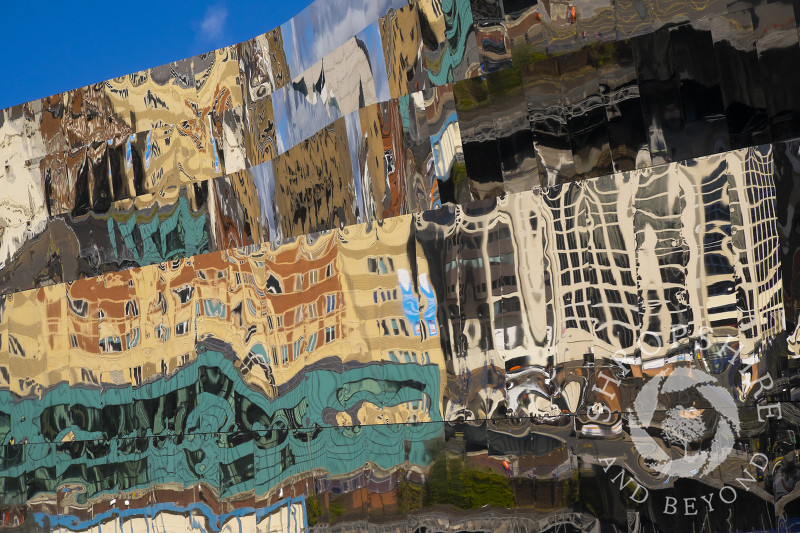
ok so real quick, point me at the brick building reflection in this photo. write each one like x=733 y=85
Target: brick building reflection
x=358 y=296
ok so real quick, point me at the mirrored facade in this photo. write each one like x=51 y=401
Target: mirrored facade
x=413 y=265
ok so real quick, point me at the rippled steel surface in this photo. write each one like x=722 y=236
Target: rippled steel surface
x=439 y=265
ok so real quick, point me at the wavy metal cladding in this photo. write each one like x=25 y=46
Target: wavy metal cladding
x=438 y=265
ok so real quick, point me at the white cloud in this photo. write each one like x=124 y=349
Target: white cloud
x=213 y=24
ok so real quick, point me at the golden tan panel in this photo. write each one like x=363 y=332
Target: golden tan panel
x=259 y=131
x=216 y=76
x=314 y=183
x=233 y=140
x=141 y=103
x=262 y=65
x=375 y=263
x=371 y=156
x=82 y=320
x=302 y=302
x=213 y=273
x=402 y=50
x=26 y=354
x=168 y=308
x=225 y=97
x=159 y=150
x=196 y=158
x=119 y=328
x=55 y=336
x=246 y=194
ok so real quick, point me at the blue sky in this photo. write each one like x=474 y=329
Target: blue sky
x=61 y=46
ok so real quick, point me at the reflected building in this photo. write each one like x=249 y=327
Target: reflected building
x=612 y=264
x=412 y=271
x=756 y=240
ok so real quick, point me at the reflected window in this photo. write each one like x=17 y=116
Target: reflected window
x=15 y=347
x=78 y=306
x=330 y=334
x=185 y=293
x=111 y=344
x=215 y=308
x=506 y=305
x=273 y=285
x=388 y=159
x=132 y=338
x=162 y=333
x=162 y=303
x=312 y=343
x=260 y=361
x=87 y=375
x=379 y=265
x=131 y=308
x=499 y=234
x=182 y=328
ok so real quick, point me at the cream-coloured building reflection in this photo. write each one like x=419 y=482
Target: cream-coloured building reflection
x=647 y=267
